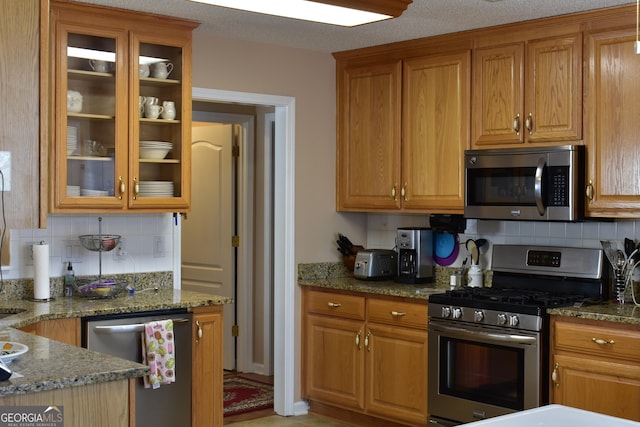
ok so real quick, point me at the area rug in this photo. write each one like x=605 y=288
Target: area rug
x=242 y=395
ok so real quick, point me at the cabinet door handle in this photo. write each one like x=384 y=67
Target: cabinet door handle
x=403 y=192
x=393 y=191
x=398 y=313
x=366 y=341
x=589 y=191
x=516 y=124
x=529 y=123
x=554 y=376
x=358 y=339
x=136 y=188
x=198 y=332
x=121 y=188
x=334 y=304
x=600 y=341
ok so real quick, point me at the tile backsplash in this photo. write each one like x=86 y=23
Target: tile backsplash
x=141 y=233
x=381 y=233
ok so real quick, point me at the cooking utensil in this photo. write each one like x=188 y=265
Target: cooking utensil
x=472 y=247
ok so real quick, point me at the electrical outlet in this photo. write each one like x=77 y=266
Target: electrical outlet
x=71 y=251
x=5 y=168
x=159 y=250
x=120 y=252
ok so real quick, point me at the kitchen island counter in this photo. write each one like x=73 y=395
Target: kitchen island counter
x=50 y=365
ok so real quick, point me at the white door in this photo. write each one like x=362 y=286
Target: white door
x=207 y=252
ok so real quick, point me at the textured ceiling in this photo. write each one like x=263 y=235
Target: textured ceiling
x=423 y=18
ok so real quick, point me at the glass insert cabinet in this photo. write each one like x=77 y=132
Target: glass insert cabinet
x=121 y=113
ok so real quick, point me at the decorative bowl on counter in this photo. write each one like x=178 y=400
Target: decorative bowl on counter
x=95 y=287
x=99 y=242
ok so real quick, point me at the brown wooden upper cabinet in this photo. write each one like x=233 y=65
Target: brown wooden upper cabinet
x=402 y=131
x=103 y=62
x=368 y=147
x=528 y=92
x=612 y=125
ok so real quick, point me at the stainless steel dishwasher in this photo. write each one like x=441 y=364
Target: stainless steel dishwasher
x=119 y=335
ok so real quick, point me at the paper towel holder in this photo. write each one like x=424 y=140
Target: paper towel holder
x=34 y=299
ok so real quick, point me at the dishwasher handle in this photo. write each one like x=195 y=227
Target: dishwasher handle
x=126 y=328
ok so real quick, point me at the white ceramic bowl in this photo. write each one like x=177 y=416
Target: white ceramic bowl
x=154 y=153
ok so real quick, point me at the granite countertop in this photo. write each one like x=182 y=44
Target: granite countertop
x=610 y=311
x=335 y=277
x=52 y=365
x=389 y=288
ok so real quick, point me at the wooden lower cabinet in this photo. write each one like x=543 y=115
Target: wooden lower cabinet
x=365 y=358
x=207 y=379
x=596 y=366
x=63 y=330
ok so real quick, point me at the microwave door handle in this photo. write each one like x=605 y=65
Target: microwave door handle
x=537 y=187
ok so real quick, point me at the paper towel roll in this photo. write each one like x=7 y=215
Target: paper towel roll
x=41 y=289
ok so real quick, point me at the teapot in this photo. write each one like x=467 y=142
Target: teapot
x=161 y=70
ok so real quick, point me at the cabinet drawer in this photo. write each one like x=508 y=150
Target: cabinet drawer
x=397 y=313
x=348 y=306
x=597 y=339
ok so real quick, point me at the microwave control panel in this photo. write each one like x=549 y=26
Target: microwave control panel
x=558 y=186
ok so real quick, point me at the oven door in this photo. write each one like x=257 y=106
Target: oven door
x=479 y=371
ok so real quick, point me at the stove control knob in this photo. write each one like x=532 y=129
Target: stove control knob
x=446 y=312
x=513 y=320
x=502 y=319
x=457 y=313
x=478 y=316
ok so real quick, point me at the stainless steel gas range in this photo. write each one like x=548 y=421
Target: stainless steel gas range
x=488 y=347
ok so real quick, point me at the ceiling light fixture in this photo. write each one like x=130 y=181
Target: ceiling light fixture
x=346 y=13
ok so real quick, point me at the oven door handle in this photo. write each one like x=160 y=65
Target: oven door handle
x=467 y=334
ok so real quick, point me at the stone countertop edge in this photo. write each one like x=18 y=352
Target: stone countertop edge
x=49 y=364
x=610 y=311
x=336 y=277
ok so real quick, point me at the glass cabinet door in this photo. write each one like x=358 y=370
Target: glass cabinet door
x=91 y=129
x=158 y=147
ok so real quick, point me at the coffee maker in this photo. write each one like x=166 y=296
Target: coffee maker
x=415 y=250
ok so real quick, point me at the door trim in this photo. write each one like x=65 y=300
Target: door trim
x=286 y=364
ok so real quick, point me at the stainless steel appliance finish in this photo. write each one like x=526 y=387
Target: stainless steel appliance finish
x=415 y=255
x=119 y=335
x=537 y=183
x=375 y=264
x=488 y=347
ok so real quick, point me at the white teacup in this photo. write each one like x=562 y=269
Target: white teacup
x=161 y=70
x=144 y=70
x=100 y=66
x=153 y=111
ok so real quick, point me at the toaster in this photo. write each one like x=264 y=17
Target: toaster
x=375 y=264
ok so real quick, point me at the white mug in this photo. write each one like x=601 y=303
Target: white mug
x=153 y=111
x=100 y=66
x=161 y=70
x=144 y=70
x=141 y=101
x=169 y=110
x=151 y=100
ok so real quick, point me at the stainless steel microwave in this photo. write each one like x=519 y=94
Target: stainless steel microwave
x=533 y=184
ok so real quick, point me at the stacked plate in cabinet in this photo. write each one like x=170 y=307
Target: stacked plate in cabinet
x=156 y=189
x=154 y=149
x=72 y=140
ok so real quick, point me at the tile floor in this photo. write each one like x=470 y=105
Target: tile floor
x=299 y=421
